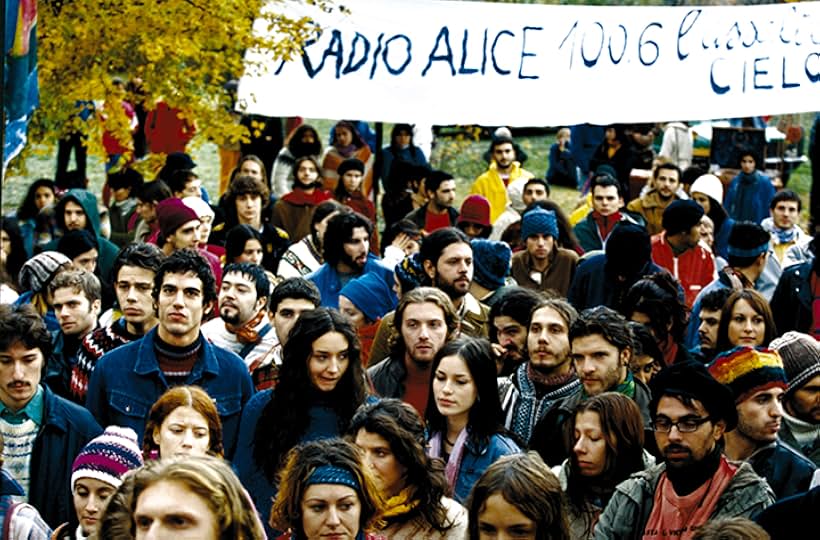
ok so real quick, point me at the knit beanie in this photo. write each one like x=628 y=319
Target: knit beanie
x=691 y=379
x=350 y=164
x=108 y=457
x=76 y=242
x=410 y=273
x=748 y=240
x=491 y=262
x=539 y=221
x=709 y=185
x=746 y=370
x=38 y=271
x=198 y=205
x=475 y=209
x=801 y=358
x=172 y=214
x=371 y=294
x=681 y=215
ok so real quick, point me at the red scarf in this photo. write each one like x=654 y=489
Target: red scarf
x=247 y=333
x=300 y=197
x=606 y=223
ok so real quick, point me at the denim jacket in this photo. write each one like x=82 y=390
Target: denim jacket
x=127 y=381
x=478 y=456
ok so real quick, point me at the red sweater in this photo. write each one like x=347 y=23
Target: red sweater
x=694 y=268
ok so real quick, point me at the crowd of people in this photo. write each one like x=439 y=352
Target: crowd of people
x=285 y=361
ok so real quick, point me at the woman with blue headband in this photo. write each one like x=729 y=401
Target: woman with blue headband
x=325 y=491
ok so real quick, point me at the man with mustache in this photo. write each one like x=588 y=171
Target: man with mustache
x=346 y=250
x=601 y=348
x=134 y=271
x=509 y=323
x=757 y=380
x=800 y=428
x=447 y=258
x=424 y=321
x=650 y=206
x=128 y=380
x=694 y=483
x=42 y=431
x=243 y=326
x=547 y=375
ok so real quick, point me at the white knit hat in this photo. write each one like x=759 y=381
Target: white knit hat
x=710 y=185
x=108 y=457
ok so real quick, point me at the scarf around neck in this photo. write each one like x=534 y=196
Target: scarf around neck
x=247 y=332
x=456 y=455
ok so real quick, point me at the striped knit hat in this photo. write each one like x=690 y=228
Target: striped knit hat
x=38 y=271
x=108 y=457
x=746 y=370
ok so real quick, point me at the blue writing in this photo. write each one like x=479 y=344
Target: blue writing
x=716 y=88
x=642 y=44
x=400 y=69
x=783 y=83
x=589 y=62
x=499 y=70
x=623 y=49
x=376 y=55
x=813 y=76
x=760 y=71
x=462 y=70
x=682 y=32
x=351 y=67
x=572 y=47
x=525 y=54
x=445 y=34
x=484 y=54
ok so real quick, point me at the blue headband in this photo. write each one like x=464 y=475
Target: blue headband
x=333 y=474
x=754 y=252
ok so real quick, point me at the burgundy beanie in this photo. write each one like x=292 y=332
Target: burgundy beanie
x=475 y=209
x=172 y=214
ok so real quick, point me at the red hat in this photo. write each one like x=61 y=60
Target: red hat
x=173 y=214
x=475 y=209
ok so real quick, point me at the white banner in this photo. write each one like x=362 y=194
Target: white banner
x=446 y=62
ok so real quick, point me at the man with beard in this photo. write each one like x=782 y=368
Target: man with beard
x=543 y=265
x=134 y=271
x=425 y=320
x=757 y=381
x=129 y=380
x=801 y=401
x=547 y=375
x=447 y=258
x=600 y=348
x=346 y=249
x=711 y=309
x=243 y=325
x=694 y=483
x=303 y=142
x=666 y=179
x=438 y=212
x=503 y=170
x=678 y=249
x=509 y=323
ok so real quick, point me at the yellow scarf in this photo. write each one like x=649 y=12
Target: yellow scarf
x=397 y=505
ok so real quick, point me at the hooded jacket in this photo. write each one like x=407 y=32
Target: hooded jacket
x=107 y=250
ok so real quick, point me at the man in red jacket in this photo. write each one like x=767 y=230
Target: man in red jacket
x=677 y=248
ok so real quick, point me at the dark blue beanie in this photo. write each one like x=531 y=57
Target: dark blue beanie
x=491 y=261
x=539 y=221
x=371 y=294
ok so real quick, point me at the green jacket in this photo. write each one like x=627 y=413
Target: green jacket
x=628 y=511
x=107 y=251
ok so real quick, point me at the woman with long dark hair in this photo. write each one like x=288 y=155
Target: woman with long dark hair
x=392 y=436
x=347 y=143
x=36 y=232
x=401 y=148
x=321 y=384
x=464 y=413
x=604 y=439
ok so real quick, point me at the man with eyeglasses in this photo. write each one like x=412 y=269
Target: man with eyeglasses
x=694 y=483
x=758 y=381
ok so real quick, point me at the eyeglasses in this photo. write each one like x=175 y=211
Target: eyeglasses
x=686 y=425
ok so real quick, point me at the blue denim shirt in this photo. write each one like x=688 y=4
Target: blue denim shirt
x=477 y=458
x=127 y=381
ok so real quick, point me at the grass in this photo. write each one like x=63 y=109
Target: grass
x=457 y=153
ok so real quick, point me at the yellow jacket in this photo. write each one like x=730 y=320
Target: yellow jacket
x=491 y=186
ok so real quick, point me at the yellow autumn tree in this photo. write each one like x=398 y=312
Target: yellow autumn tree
x=184 y=51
